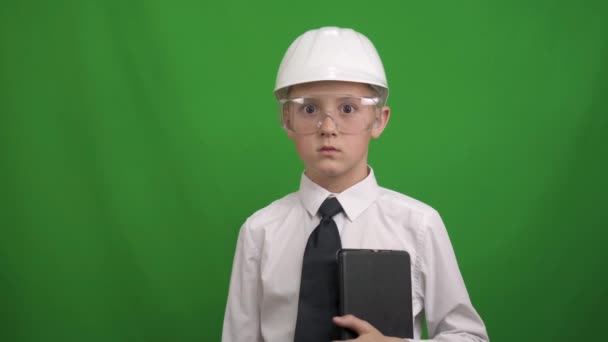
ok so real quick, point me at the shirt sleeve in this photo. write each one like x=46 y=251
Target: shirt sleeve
x=450 y=316
x=242 y=316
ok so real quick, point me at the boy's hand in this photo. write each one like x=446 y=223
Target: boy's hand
x=367 y=333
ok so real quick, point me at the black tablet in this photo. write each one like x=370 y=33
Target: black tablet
x=376 y=286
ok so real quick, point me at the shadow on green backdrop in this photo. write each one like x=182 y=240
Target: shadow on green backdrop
x=136 y=138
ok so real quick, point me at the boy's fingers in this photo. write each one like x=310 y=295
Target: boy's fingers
x=353 y=323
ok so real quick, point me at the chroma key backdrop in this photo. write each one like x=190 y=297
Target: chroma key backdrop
x=137 y=136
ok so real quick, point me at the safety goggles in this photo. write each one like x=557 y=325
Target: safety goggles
x=350 y=114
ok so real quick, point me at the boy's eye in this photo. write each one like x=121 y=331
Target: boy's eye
x=309 y=109
x=347 y=108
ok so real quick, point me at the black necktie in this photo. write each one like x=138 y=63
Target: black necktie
x=318 y=301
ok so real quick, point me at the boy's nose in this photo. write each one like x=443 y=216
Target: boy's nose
x=327 y=125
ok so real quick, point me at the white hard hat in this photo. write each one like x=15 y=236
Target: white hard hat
x=331 y=54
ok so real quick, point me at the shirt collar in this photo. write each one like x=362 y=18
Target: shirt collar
x=354 y=200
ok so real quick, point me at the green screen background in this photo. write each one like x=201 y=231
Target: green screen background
x=137 y=136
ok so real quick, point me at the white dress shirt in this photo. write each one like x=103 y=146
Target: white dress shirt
x=264 y=287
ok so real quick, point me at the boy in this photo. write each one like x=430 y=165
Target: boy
x=332 y=90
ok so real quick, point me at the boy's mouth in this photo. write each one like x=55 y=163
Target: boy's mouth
x=328 y=150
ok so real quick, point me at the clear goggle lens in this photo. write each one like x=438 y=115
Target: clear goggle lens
x=350 y=114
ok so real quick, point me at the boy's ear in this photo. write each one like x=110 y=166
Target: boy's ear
x=290 y=134
x=381 y=122
x=285 y=124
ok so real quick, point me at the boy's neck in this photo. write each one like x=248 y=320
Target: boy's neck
x=340 y=183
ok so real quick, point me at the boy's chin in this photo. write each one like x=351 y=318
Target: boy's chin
x=330 y=171
x=327 y=169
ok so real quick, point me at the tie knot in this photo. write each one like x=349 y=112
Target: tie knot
x=330 y=207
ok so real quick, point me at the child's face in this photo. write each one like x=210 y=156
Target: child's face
x=333 y=159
